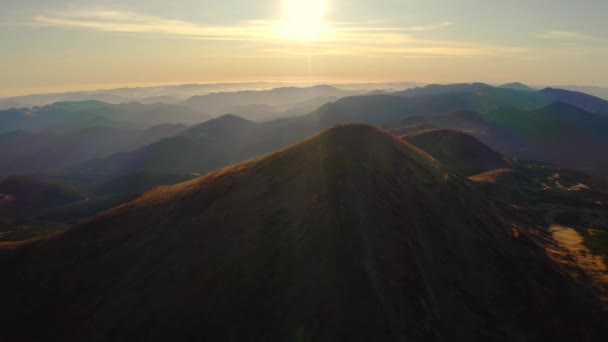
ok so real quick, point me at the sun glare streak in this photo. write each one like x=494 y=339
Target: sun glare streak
x=303 y=19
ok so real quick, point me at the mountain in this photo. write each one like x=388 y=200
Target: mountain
x=459 y=151
x=601 y=92
x=482 y=97
x=584 y=101
x=230 y=139
x=64 y=117
x=559 y=133
x=188 y=153
x=28 y=152
x=202 y=148
x=265 y=104
x=220 y=128
x=351 y=234
x=517 y=86
x=467 y=121
x=165 y=94
x=437 y=89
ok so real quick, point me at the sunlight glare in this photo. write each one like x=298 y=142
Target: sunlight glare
x=303 y=19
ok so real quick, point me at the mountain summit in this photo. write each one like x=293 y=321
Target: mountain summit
x=351 y=235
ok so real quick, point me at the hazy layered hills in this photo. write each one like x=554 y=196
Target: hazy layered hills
x=538 y=133
x=70 y=116
x=254 y=105
x=36 y=152
x=558 y=133
x=482 y=97
x=584 y=101
x=166 y=94
x=172 y=94
x=268 y=104
x=351 y=234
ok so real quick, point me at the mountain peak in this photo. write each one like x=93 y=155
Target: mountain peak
x=517 y=86
x=459 y=151
x=223 y=125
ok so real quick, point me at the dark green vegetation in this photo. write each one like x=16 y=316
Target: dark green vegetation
x=31 y=207
x=350 y=235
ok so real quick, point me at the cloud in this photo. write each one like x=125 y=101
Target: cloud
x=431 y=27
x=565 y=35
x=336 y=39
x=129 y=22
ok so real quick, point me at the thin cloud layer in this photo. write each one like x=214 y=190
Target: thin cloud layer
x=337 y=38
x=565 y=35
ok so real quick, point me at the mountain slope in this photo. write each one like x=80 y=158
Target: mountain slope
x=584 y=101
x=461 y=152
x=559 y=133
x=26 y=152
x=349 y=235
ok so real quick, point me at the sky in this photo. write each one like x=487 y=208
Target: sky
x=64 y=45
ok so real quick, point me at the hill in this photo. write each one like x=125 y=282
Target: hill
x=265 y=104
x=62 y=117
x=351 y=234
x=558 y=133
x=584 y=101
x=188 y=153
x=459 y=151
x=27 y=152
x=517 y=86
x=437 y=89
x=482 y=97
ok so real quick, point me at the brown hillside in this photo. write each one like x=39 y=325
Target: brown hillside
x=351 y=235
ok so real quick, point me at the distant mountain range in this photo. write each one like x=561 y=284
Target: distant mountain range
x=523 y=124
x=172 y=94
x=72 y=116
x=268 y=104
x=25 y=152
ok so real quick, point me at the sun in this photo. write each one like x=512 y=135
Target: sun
x=303 y=19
